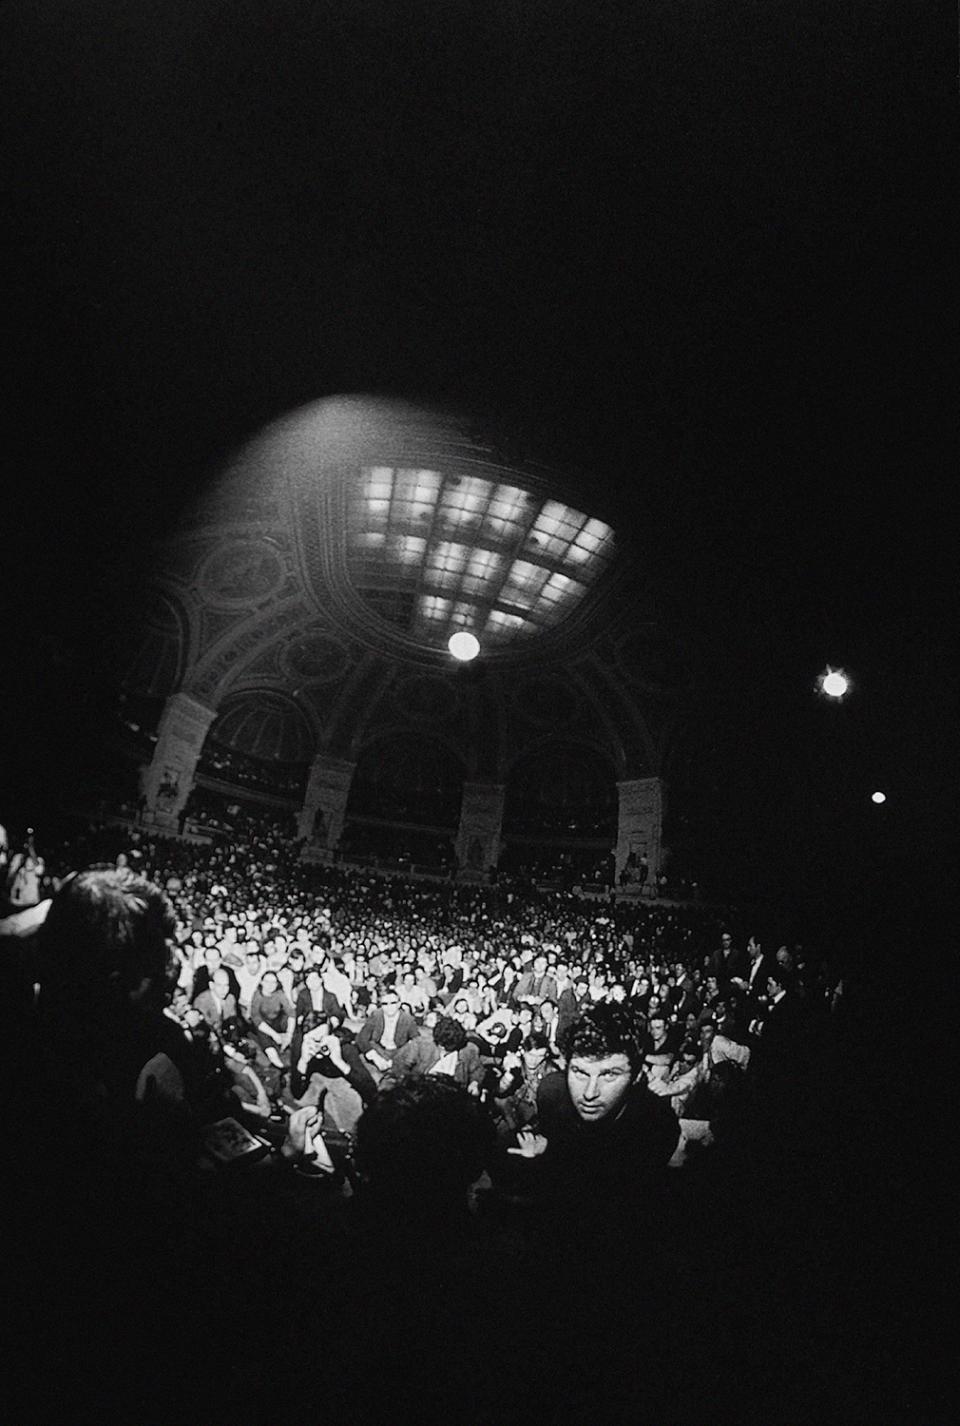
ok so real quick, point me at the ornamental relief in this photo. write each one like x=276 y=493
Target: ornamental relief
x=214 y=623
x=316 y=658
x=266 y=666
x=260 y=632
x=241 y=574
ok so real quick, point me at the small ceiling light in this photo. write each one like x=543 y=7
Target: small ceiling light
x=878 y=798
x=835 y=683
x=463 y=645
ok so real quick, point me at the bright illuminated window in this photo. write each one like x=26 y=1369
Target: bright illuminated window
x=557 y=588
x=408 y=548
x=502 y=626
x=434 y=607
x=424 y=527
x=524 y=581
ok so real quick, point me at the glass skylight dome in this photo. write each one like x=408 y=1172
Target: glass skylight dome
x=435 y=552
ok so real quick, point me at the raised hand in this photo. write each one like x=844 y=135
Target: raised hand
x=529 y=1144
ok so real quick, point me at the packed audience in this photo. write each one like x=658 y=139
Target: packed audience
x=318 y=987
x=404 y=1136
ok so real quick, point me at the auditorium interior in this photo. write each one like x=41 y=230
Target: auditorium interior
x=477 y=572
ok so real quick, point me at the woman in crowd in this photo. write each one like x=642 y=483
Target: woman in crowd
x=272 y=1017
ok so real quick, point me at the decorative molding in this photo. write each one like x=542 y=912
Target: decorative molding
x=241 y=573
x=265 y=702
x=316 y=656
x=325 y=801
x=223 y=664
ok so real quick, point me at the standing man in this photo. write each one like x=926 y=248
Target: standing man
x=753 y=983
x=572 y=1000
x=727 y=962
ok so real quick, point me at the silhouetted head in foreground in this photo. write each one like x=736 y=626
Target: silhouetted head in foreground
x=421 y=1146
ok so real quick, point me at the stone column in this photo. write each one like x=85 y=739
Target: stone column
x=639 y=824
x=320 y=820
x=481 y=819
x=168 y=779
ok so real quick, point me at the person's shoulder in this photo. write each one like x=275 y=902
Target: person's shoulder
x=645 y=1105
x=552 y=1091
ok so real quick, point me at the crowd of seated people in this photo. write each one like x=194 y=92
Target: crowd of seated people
x=325 y=982
x=355 y=1024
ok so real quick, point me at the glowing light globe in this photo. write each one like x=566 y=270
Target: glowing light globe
x=834 y=683
x=878 y=798
x=463 y=646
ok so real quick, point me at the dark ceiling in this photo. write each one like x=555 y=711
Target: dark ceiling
x=701 y=244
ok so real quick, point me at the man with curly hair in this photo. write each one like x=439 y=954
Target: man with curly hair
x=603 y=1136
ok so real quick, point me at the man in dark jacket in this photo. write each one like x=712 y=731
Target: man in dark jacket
x=385 y=1031
x=727 y=961
x=604 y=1139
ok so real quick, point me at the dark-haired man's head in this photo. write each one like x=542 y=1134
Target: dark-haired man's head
x=110 y=926
x=420 y=1146
x=657 y=1026
x=777 y=980
x=449 y=1034
x=604 y=1057
x=534 y=1049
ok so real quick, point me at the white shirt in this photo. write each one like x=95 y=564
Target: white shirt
x=721 y=1048
x=389 y=1037
x=338 y=984
x=248 y=981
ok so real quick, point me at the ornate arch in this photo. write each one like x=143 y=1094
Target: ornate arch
x=224 y=664
x=264 y=703
x=547 y=752
x=158 y=664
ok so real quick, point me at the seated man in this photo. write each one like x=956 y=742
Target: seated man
x=442 y=1049
x=384 y=1032
x=515 y=1095
x=421 y=1146
x=212 y=962
x=535 y=984
x=413 y=997
x=659 y=1046
x=248 y=976
x=341 y=1054
x=603 y=1136
x=324 y=1078
x=217 y=1003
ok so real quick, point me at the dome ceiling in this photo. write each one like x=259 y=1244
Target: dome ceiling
x=318 y=580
